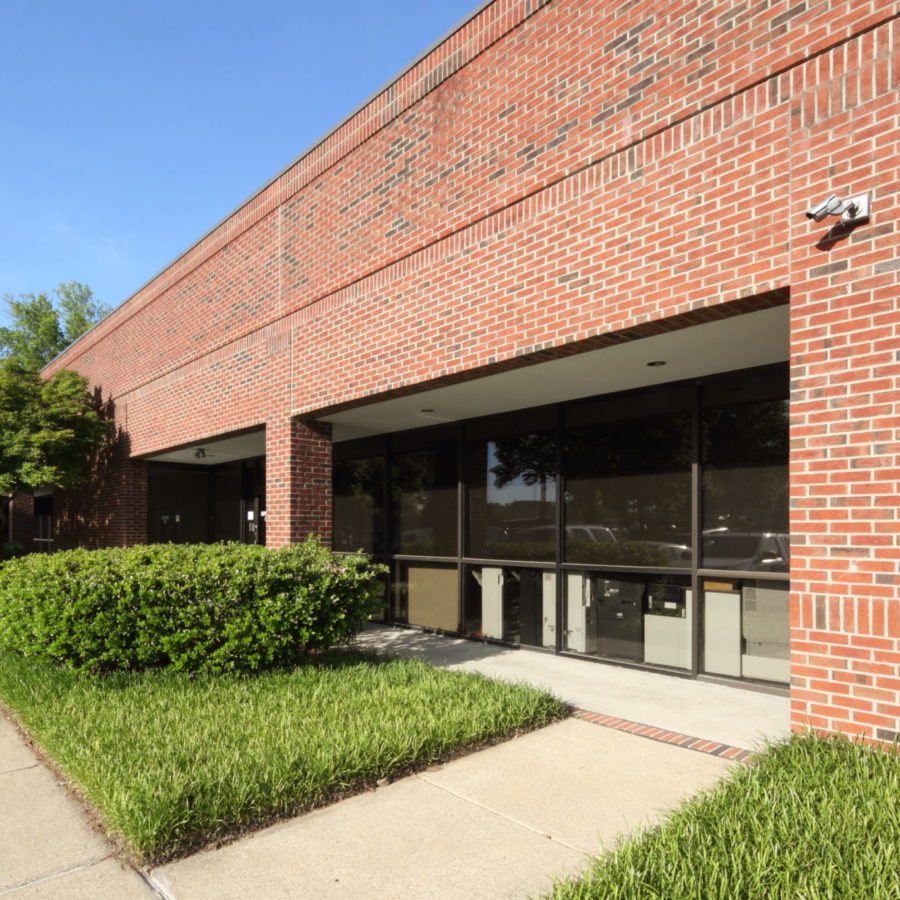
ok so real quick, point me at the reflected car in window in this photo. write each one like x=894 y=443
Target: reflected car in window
x=768 y=552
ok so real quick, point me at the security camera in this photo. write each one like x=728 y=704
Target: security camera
x=853 y=212
x=830 y=206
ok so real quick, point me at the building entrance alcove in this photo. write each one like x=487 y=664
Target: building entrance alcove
x=209 y=491
x=639 y=515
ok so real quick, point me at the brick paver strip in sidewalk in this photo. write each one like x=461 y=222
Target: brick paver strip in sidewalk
x=654 y=733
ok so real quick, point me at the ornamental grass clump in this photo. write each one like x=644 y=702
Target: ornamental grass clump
x=206 y=608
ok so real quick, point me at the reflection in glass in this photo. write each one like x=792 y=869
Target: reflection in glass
x=744 y=449
x=511 y=604
x=512 y=496
x=358 y=491
x=425 y=595
x=424 y=490
x=628 y=480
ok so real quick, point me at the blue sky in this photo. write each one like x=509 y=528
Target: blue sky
x=129 y=128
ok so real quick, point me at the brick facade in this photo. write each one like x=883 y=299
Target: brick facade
x=557 y=176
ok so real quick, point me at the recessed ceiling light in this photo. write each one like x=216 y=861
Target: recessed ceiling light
x=657 y=362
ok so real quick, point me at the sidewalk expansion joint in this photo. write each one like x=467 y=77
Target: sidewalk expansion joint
x=53 y=876
x=700 y=745
x=21 y=769
x=502 y=815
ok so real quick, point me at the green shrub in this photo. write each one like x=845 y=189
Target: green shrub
x=209 y=608
x=9 y=551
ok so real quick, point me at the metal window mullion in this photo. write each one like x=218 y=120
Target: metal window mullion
x=696 y=525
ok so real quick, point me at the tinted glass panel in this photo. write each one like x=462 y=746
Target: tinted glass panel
x=628 y=480
x=745 y=472
x=746 y=628
x=227 y=485
x=426 y=595
x=512 y=489
x=629 y=617
x=424 y=492
x=177 y=504
x=359 y=504
x=511 y=604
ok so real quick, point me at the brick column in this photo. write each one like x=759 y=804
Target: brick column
x=845 y=411
x=298 y=481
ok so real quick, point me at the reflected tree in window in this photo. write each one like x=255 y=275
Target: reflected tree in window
x=358 y=488
x=423 y=500
x=745 y=486
x=628 y=489
x=513 y=497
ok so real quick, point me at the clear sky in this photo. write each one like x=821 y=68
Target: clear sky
x=128 y=128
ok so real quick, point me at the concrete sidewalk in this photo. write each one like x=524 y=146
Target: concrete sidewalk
x=717 y=712
x=47 y=848
x=495 y=824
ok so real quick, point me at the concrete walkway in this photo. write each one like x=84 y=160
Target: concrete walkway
x=495 y=824
x=47 y=848
x=717 y=712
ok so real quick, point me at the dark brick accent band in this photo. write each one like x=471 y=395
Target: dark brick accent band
x=712 y=748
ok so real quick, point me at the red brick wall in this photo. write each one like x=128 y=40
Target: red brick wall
x=111 y=509
x=845 y=337
x=556 y=175
x=21 y=511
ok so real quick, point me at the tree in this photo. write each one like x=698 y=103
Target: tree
x=42 y=328
x=48 y=429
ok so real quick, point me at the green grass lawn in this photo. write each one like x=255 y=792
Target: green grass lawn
x=810 y=819
x=172 y=762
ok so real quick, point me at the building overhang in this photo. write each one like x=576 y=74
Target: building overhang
x=738 y=342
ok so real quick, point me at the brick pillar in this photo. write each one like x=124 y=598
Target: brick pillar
x=298 y=481
x=845 y=418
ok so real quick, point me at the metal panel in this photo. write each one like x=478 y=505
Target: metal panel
x=667 y=639
x=548 y=603
x=492 y=602
x=431 y=601
x=581 y=629
x=722 y=633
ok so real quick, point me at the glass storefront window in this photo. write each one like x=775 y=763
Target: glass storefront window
x=608 y=502
x=511 y=604
x=358 y=503
x=512 y=488
x=642 y=619
x=744 y=454
x=424 y=485
x=746 y=630
x=628 y=480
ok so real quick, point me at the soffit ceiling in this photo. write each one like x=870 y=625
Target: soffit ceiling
x=738 y=342
x=217 y=451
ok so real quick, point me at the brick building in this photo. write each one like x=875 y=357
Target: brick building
x=526 y=324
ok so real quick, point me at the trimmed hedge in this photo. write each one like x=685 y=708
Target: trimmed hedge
x=210 y=608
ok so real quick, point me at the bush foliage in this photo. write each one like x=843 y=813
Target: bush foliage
x=209 y=608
